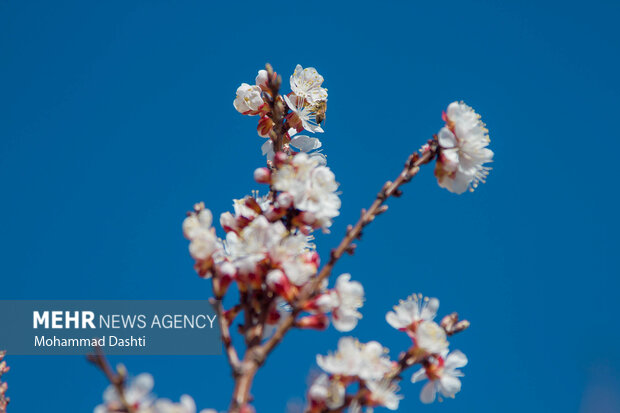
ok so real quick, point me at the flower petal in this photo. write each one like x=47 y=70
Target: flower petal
x=446 y=138
x=455 y=360
x=418 y=376
x=305 y=143
x=427 y=395
x=449 y=385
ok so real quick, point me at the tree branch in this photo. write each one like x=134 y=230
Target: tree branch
x=115 y=379
x=231 y=352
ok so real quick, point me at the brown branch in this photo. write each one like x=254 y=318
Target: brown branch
x=412 y=167
x=256 y=356
x=116 y=379
x=231 y=352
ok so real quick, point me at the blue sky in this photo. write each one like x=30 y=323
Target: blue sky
x=115 y=117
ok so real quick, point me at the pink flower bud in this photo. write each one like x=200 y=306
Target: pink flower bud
x=280 y=284
x=262 y=175
x=280 y=159
x=265 y=125
x=314 y=321
x=323 y=303
x=226 y=273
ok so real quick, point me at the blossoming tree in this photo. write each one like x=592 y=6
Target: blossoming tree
x=266 y=263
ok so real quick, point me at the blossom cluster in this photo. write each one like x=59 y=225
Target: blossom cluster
x=365 y=364
x=376 y=376
x=306 y=188
x=304 y=109
x=137 y=393
x=4 y=401
x=415 y=316
x=267 y=250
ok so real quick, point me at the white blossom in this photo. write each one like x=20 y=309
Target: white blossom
x=261 y=240
x=197 y=228
x=186 y=405
x=248 y=99
x=262 y=78
x=366 y=361
x=345 y=299
x=411 y=311
x=331 y=392
x=254 y=241
x=298 y=271
x=431 y=337
x=306 y=83
x=463 y=150
x=305 y=112
x=137 y=393
x=313 y=187
x=384 y=392
x=310 y=146
x=443 y=375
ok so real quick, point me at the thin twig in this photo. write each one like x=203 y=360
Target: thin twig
x=117 y=380
x=231 y=352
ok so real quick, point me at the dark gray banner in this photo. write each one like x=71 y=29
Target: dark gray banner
x=119 y=327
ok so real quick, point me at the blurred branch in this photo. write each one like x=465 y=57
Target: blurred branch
x=231 y=352
x=116 y=379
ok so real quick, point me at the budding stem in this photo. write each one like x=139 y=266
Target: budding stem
x=277 y=109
